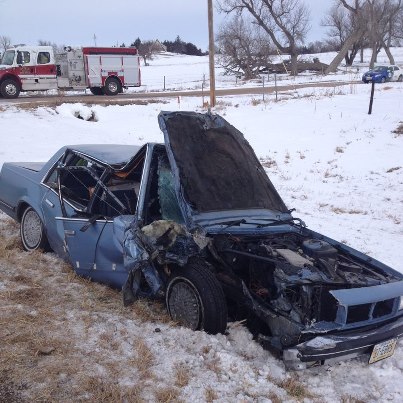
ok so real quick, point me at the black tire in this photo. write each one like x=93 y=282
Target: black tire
x=400 y=79
x=32 y=232
x=112 y=86
x=195 y=299
x=383 y=79
x=97 y=90
x=9 y=88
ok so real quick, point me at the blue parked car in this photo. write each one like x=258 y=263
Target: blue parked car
x=382 y=74
x=197 y=223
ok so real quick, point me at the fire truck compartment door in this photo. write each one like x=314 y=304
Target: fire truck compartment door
x=94 y=70
x=131 y=70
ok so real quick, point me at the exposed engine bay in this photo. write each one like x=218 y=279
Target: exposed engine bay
x=287 y=280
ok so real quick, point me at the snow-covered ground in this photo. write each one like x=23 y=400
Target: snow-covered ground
x=172 y=69
x=342 y=170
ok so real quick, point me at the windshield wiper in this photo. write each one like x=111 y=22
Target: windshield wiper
x=231 y=223
x=281 y=222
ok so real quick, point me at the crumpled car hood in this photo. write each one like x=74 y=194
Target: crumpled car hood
x=215 y=168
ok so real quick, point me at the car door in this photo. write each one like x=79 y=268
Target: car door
x=52 y=215
x=81 y=238
x=72 y=231
x=26 y=69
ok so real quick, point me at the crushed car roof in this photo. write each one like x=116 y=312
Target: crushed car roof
x=109 y=154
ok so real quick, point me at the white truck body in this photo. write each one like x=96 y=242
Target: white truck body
x=103 y=70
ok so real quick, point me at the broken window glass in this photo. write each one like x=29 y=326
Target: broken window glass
x=170 y=209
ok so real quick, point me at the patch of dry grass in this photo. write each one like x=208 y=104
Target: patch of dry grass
x=351 y=399
x=166 y=395
x=293 y=387
x=210 y=394
x=99 y=389
x=182 y=375
x=274 y=398
x=268 y=163
x=144 y=360
x=341 y=210
x=61 y=334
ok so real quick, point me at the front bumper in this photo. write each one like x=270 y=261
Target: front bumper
x=328 y=348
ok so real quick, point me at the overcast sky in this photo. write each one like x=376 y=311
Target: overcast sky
x=74 y=22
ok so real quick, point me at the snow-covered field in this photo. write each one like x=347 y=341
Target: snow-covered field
x=189 y=72
x=342 y=170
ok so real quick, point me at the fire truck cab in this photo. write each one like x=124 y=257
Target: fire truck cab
x=102 y=70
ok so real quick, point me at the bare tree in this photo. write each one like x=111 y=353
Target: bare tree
x=147 y=49
x=375 y=21
x=356 y=9
x=341 y=25
x=382 y=23
x=5 y=43
x=285 y=21
x=242 y=47
x=399 y=26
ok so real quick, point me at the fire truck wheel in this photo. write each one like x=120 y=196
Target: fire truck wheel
x=9 y=89
x=97 y=90
x=112 y=86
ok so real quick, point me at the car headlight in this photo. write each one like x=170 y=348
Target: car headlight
x=401 y=304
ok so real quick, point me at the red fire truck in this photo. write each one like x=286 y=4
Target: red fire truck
x=102 y=70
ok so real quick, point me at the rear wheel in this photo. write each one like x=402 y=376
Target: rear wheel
x=9 y=88
x=400 y=79
x=32 y=233
x=196 y=300
x=97 y=90
x=112 y=86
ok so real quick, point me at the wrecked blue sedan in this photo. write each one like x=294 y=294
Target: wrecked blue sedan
x=196 y=222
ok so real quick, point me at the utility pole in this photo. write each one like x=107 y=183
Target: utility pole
x=211 y=52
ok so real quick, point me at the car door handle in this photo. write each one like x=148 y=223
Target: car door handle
x=69 y=232
x=49 y=203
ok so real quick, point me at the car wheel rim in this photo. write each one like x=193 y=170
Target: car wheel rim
x=184 y=305
x=113 y=87
x=11 y=89
x=32 y=229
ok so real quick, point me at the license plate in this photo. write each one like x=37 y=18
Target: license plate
x=383 y=350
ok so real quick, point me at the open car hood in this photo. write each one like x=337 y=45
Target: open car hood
x=214 y=167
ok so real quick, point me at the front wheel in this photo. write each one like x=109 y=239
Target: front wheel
x=112 y=86
x=196 y=300
x=9 y=89
x=32 y=233
x=383 y=80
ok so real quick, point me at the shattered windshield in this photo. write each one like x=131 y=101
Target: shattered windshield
x=8 y=58
x=166 y=193
x=217 y=167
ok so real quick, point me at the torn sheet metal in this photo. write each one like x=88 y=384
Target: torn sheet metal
x=146 y=248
